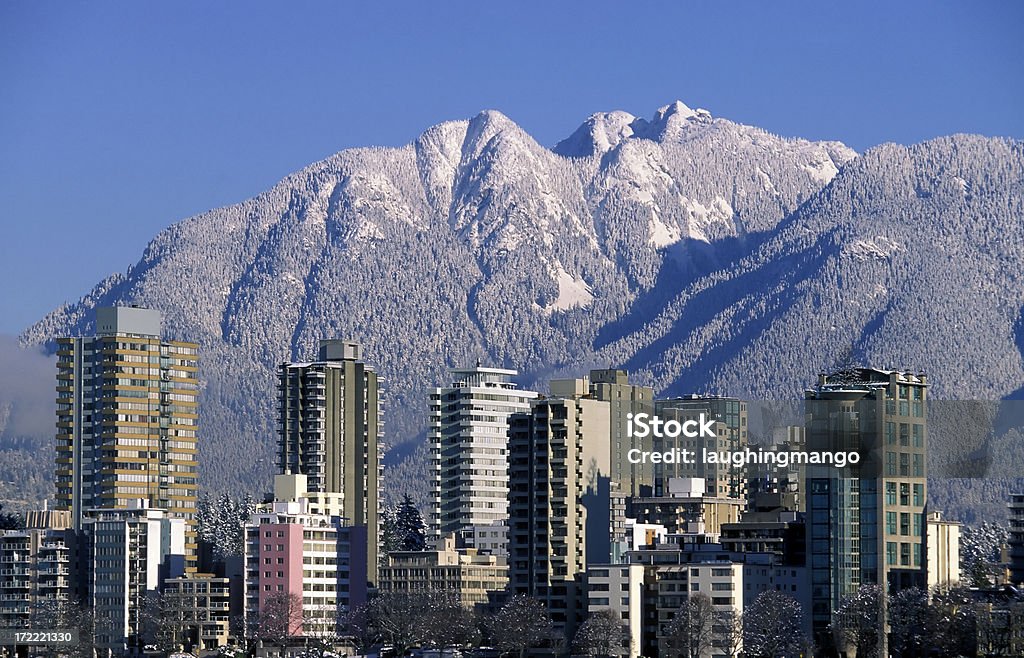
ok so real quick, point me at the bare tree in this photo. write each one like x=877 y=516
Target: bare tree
x=279 y=618
x=857 y=624
x=398 y=619
x=320 y=630
x=772 y=626
x=357 y=624
x=69 y=614
x=521 y=624
x=728 y=632
x=691 y=631
x=912 y=627
x=601 y=634
x=447 y=623
x=166 y=622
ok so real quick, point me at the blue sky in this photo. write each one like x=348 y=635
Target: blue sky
x=118 y=119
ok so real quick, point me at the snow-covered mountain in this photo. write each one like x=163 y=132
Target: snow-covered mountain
x=700 y=253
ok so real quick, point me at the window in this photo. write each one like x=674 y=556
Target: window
x=890 y=522
x=918 y=466
x=890 y=553
x=904 y=523
x=890 y=433
x=904 y=434
x=905 y=554
x=918 y=436
x=905 y=493
x=918 y=494
x=917 y=524
x=890 y=493
x=890 y=463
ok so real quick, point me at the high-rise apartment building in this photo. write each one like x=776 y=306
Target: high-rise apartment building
x=1016 y=541
x=130 y=553
x=468 y=436
x=127 y=420
x=866 y=523
x=612 y=386
x=559 y=499
x=730 y=416
x=331 y=430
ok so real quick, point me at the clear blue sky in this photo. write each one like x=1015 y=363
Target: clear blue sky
x=118 y=119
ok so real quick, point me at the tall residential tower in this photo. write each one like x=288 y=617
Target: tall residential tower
x=127 y=419
x=468 y=436
x=330 y=430
x=560 y=515
x=866 y=523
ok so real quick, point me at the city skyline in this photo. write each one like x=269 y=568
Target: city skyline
x=696 y=551
x=512 y=329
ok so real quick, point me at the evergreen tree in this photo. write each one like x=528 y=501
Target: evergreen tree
x=10 y=520
x=410 y=527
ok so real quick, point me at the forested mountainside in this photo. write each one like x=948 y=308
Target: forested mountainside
x=701 y=254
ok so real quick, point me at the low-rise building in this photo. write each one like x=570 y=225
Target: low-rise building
x=37 y=567
x=943 y=542
x=478 y=579
x=618 y=588
x=686 y=508
x=200 y=606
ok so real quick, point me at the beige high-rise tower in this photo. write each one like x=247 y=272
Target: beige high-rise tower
x=612 y=385
x=127 y=418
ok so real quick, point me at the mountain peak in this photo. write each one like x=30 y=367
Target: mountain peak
x=603 y=131
x=669 y=121
x=600 y=133
x=677 y=108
